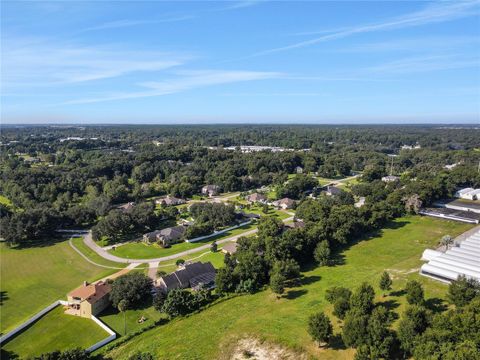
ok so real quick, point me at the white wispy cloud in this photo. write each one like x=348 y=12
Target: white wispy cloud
x=128 y=23
x=41 y=62
x=420 y=44
x=424 y=64
x=233 y=5
x=185 y=80
x=438 y=12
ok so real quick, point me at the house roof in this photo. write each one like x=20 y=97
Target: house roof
x=92 y=292
x=333 y=190
x=174 y=232
x=256 y=197
x=210 y=188
x=195 y=272
x=286 y=201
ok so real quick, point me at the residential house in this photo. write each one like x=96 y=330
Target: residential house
x=195 y=275
x=256 y=198
x=360 y=202
x=89 y=299
x=390 y=178
x=210 y=190
x=165 y=237
x=285 y=203
x=333 y=190
x=468 y=194
x=169 y=201
x=230 y=248
x=127 y=207
x=299 y=170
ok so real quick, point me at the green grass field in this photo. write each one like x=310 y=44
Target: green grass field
x=93 y=256
x=114 y=320
x=55 y=331
x=143 y=251
x=210 y=333
x=33 y=278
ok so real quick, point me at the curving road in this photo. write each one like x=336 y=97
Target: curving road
x=87 y=239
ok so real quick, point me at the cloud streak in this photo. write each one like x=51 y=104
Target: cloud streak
x=432 y=14
x=129 y=23
x=37 y=62
x=187 y=80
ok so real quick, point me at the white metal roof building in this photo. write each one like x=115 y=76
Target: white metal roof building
x=463 y=259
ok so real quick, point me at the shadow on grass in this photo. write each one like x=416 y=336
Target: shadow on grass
x=111 y=310
x=436 y=305
x=398 y=293
x=307 y=280
x=8 y=355
x=54 y=239
x=3 y=297
x=336 y=343
x=294 y=294
x=390 y=305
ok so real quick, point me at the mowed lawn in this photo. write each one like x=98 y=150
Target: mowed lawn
x=211 y=333
x=33 y=278
x=140 y=250
x=55 y=331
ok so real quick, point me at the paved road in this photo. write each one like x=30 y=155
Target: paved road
x=100 y=251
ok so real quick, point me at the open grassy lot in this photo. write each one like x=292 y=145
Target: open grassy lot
x=55 y=331
x=210 y=333
x=114 y=319
x=139 y=250
x=93 y=256
x=215 y=258
x=33 y=278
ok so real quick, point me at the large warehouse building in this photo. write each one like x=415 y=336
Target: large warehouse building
x=463 y=259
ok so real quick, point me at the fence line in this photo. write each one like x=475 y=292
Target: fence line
x=30 y=321
x=112 y=335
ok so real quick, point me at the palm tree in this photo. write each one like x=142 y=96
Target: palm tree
x=122 y=307
x=446 y=241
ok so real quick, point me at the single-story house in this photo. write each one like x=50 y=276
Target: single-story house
x=127 y=207
x=89 y=299
x=194 y=275
x=230 y=248
x=297 y=224
x=468 y=194
x=169 y=201
x=165 y=237
x=390 y=178
x=256 y=197
x=285 y=203
x=333 y=190
x=210 y=190
x=360 y=202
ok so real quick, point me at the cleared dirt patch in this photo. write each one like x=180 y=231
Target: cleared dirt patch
x=254 y=349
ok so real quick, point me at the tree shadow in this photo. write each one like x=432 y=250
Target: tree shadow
x=436 y=305
x=294 y=294
x=307 y=280
x=3 y=297
x=336 y=343
x=8 y=355
x=398 y=293
x=390 y=305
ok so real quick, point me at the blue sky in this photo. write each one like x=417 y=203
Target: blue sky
x=240 y=61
